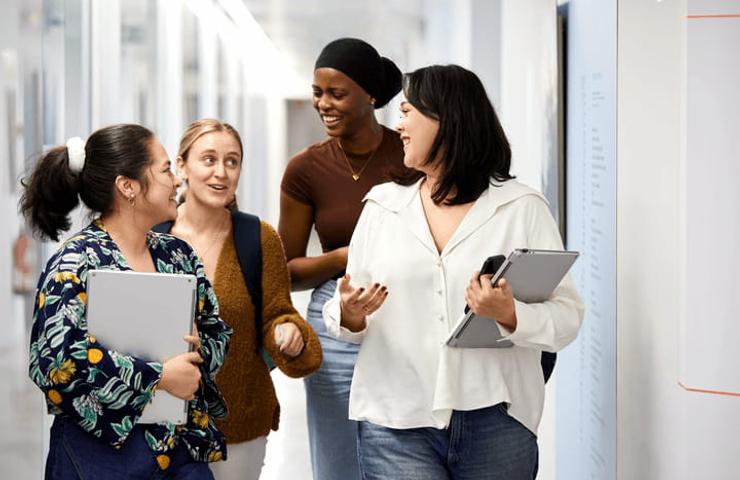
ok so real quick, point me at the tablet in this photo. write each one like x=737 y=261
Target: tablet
x=144 y=315
x=532 y=275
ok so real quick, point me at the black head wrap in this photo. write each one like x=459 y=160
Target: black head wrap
x=377 y=75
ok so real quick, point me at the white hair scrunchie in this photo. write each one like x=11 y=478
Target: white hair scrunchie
x=76 y=154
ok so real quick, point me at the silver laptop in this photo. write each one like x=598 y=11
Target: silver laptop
x=532 y=275
x=144 y=315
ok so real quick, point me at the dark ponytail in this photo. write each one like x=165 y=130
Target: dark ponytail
x=51 y=191
x=50 y=194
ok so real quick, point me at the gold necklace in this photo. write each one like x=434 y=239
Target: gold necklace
x=356 y=175
x=215 y=239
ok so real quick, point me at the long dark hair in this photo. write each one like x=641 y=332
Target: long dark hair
x=53 y=190
x=474 y=148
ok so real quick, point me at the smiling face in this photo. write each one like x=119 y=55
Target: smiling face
x=159 y=200
x=417 y=134
x=212 y=167
x=343 y=105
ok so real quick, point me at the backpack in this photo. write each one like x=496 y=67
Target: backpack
x=547 y=360
x=248 y=242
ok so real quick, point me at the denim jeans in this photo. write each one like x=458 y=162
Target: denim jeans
x=75 y=454
x=332 y=436
x=478 y=444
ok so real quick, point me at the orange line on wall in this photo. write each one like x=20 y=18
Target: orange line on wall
x=713 y=392
x=720 y=15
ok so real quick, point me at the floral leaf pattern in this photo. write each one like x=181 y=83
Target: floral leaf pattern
x=105 y=391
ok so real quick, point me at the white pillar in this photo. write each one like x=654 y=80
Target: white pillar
x=207 y=70
x=105 y=50
x=169 y=76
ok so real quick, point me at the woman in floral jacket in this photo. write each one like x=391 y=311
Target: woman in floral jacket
x=123 y=173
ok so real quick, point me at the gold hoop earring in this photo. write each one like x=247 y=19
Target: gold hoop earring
x=132 y=200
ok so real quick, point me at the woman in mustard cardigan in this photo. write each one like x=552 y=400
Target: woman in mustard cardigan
x=210 y=161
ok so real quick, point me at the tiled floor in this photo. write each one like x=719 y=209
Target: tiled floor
x=22 y=419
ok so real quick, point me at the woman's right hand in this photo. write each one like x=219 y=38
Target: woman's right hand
x=181 y=375
x=358 y=303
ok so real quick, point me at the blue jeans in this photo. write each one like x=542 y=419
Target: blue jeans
x=332 y=436
x=478 y=444
x=75 y=454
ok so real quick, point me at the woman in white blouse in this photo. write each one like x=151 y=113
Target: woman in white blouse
x=428 y=410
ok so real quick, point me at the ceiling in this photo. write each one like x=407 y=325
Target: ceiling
x=300 y=28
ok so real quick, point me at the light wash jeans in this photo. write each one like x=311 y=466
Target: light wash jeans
x=332 y=436
x=478 y=444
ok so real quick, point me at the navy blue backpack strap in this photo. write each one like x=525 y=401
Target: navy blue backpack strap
x=249 y=251
x=547 y=360
x=248 y=242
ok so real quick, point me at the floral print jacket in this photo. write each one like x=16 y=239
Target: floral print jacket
x=106 y=391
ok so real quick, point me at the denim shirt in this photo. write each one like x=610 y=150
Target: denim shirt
x=106 y=391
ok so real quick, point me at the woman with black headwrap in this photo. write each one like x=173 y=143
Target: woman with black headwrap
x=324 y=186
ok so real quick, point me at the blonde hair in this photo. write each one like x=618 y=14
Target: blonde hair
x=201 y=127
x=196 y=130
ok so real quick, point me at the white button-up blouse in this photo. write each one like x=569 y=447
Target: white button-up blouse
x=405 y=376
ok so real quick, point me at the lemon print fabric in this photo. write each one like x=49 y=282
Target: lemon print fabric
x=54 y=397
x=94 y=355
x=163 y=461
x=106 y=391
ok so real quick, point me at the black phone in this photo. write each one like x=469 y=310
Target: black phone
x=490 y=266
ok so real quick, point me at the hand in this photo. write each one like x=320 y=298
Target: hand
x=181 y=375
x=357 y=303
x=193 y=338
x=289 y=337
x=493 y=302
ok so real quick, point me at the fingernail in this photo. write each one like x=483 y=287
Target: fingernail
x=376 y=285
x=362 y=290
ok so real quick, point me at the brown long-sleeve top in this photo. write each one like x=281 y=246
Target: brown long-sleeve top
x=320 y=177
x=244 y=379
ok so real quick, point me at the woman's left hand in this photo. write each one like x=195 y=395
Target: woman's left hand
x=289 y=338
x=193 y=338
x=493 y=302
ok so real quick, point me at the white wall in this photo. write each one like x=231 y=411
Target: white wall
x=586 y=388
x=663 y=430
